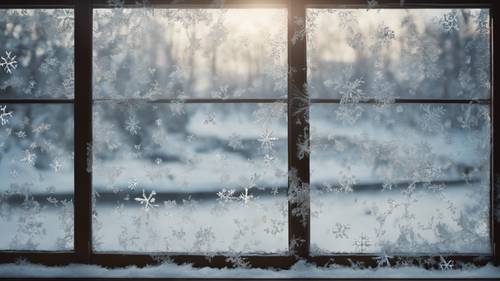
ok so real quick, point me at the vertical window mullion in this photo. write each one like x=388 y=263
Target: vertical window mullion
x=298 y=133
x=495 y=154
x=83 y=130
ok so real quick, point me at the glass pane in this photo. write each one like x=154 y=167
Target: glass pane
x=190 y=53
x=407 y=178
x=196 y=178
x=36 y=171
x=398 y=53
x=36 y=53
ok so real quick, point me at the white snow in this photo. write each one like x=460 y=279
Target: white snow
x=299 y=270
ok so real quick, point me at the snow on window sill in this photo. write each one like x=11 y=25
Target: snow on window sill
x=299 y=270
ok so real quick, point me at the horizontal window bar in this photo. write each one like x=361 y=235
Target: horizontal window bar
x=219 y=261
x=376 y=101
x=39 y=257
x=192 y=100
x=395 y=4
x=197 y=3
x=36 y=4
x=35 y=101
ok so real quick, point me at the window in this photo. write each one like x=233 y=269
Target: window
x=248 y=132
x=36 y=137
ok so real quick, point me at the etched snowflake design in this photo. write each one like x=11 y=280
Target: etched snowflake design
x=340 y=229
x=132 y=125
x=383 y=260
x=147 y=201
x=267 y=139
x=449 y=22
x=235 y=142
x=209 y=119
x=362 y=243
x=226 y=195
x=4 y=115
x=132 y=184
x=431 y=119
x=245 y=197
x=444 y=264
x=8 y=62
x=56 y=165
x=29 y=157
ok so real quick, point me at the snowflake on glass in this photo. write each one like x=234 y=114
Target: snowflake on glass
x=147 y=201
x=8 y=62
x=266 y=139
x=4 y=115
x=431 y=119
x=226 y=195
x=444 y=264
x=340 y=229
x=132 y=125
x=132 y=184
x=362 y=243
x=449 y=22
x=56 y=165
x=29 y=157
x=210 y=118
x=245 y=197
x=383 y=260
x=235 y=142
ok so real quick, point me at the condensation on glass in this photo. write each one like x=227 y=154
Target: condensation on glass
x=175 y=176
x=399 y=177
x=36 y=140
x=190 y=53
x=36 y=168
x=36 y=53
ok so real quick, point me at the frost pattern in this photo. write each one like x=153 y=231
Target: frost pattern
x=393 y=178
x=182 y=185
x=8 y=62
x=36 y=168
x=36 y=140
x=36 y=53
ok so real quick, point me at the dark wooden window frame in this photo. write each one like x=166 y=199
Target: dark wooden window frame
x=83 y=252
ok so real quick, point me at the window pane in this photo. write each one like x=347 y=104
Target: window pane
x=401 y=178
x=397 y=53
x=194 y=178
x=190 y=53
x=36 y=53
x=36 y=171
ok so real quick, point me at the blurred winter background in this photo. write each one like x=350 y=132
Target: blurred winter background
x=173 y=174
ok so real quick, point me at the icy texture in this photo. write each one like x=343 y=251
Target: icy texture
x=36 y=171
x=36 y=53
x=409 y=178
x=190 y=177
x=299 y=270
x=398 y=53
x=195 y=53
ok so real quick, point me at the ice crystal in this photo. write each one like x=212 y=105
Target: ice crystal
x=132 y=125
x=362 y=243
x=29 y=157
x=267 y=139
x=340 y=230
x=444 y=264
x=8 y=62
x=147 y=201
x=449 y=22
x=56 y=165
x=4 y=115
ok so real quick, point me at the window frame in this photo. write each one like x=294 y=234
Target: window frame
x=297 y=79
